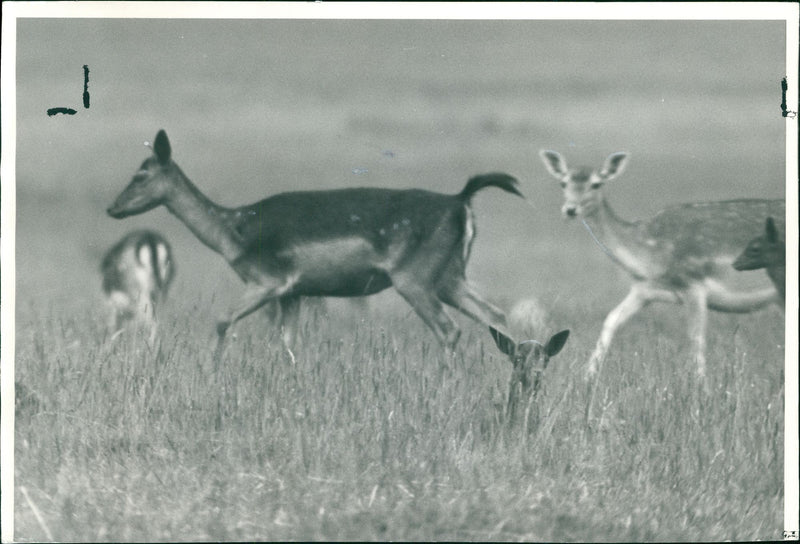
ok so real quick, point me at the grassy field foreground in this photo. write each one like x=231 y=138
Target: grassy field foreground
x=376 y=434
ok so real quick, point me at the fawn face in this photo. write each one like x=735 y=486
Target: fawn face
x=529 y=359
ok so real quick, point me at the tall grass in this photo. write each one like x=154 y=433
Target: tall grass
x=375 y=433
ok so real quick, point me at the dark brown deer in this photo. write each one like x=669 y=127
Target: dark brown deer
x=339 y=243
x=766 y=251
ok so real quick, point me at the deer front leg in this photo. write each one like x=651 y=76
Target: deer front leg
x=254 y=298
x=640 y=295
x=630 y=305
x=696 y=302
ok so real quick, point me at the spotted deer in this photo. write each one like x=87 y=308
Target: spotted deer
x=682 y=255
x=766 y=251
x=137 y=272
x=335 y=243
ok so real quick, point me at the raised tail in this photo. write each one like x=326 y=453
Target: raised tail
x=496 y=179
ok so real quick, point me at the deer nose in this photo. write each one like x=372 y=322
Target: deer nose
x=115 y=212
x=570 y=211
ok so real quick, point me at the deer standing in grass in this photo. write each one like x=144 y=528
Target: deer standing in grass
x=339 y=243
x=683 y=255
x=137 y=272
x=767 y=251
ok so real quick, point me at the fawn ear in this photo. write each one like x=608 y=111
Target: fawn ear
x=162 y=148
x=615 y=164
x=503 y=342
x=554 y=163
x=772 y=231
x=556 y=342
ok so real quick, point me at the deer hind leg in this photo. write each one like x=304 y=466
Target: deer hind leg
x=723 y=300
x=289 y=318
x=462 y=296
x=146 y=315
x=118 y=306
x=272 y=310
x=429 y=308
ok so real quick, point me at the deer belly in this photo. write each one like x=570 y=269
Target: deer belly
x=343 y=268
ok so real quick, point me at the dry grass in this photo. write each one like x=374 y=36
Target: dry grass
x=377 y=435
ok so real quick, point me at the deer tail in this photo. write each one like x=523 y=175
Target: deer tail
x=503 y=181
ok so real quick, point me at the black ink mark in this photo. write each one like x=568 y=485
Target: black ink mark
x=86 y=86
x=66 y=111
x=784 y=111
x=69 y=111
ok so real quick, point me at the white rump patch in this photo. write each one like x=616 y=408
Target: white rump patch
x=163 y=263
x=144 y=272
x=469 y=232
x=144 y=256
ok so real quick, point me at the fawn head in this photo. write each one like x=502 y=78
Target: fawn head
x=530 y=358
x=582 y=185
x=151 y=184
x=766 y=250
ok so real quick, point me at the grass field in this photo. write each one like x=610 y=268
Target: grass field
x=376 y=434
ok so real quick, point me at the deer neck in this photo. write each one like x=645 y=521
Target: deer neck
x=621 y=240
x=208 y=221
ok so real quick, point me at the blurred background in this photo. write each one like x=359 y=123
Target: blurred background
x=256 y=107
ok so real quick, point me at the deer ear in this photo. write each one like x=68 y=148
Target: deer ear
x=615 y=164
x=554 y=163
x=162 y=148
x=772 y=231
x=556 y=342
x=503 y=342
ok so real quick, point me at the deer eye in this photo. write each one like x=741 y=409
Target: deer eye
x=596 y=184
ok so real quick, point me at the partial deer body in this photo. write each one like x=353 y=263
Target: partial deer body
x=529 y=360
x=682 y=255
x=339 y=243
x=766 y=251
x=137 y=272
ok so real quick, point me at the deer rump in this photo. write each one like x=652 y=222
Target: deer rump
x=344 y=243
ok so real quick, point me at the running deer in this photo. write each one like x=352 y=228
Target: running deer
x=767 y=251
x=529 y=359
x=683 y=255
x=137 y=272
x=337 y=243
